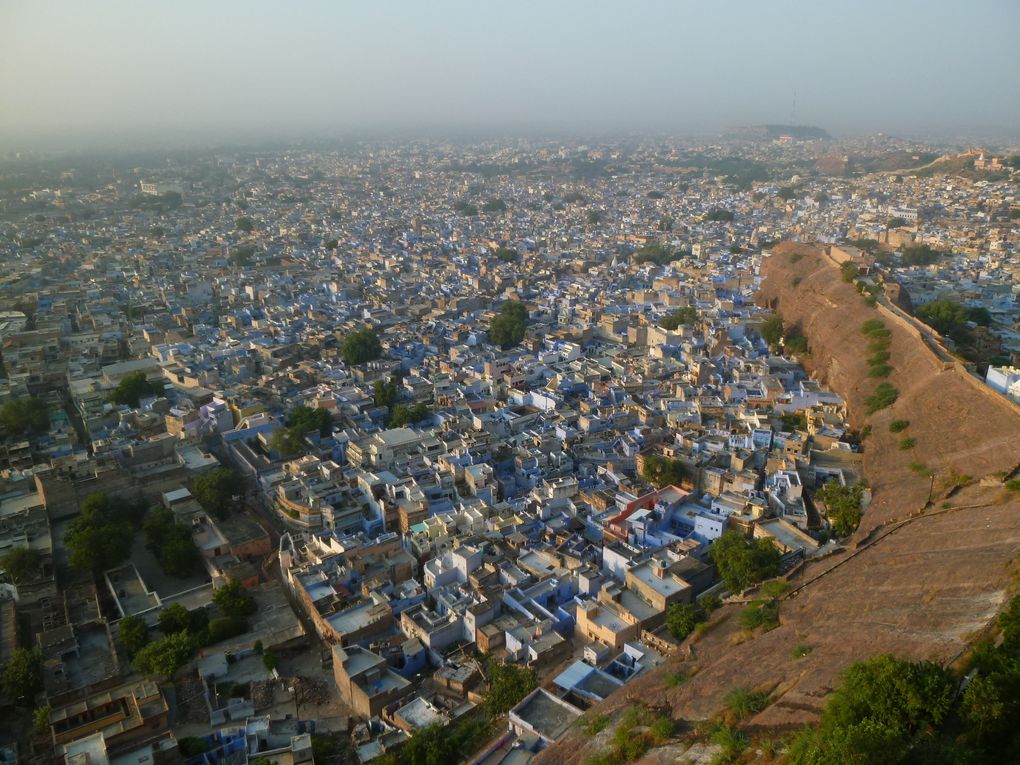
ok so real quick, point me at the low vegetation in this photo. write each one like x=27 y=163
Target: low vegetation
x=885 y=395
x=639 y=729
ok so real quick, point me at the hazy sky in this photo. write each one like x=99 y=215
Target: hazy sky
x=148 y=69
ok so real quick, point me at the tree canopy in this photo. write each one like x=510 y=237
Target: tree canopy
x=659 y=254
x=508 y=327
x=743 y=562
x=25 y=415
x=216 y=489
x=302 y=421
x=133 y=388
x=682 y=618
x=950 y=318
x=134 y=634
x=171 y=543
x=920 y=255
x=165 y=656
x=685 y=315
x=20 y=563
x=717 y=214
x=100 y=537
x=244 y=223
x=662 y=471
x=843 y=506
x=772 y=330
x=506 y=254
x=361 y=347
x=23 y=677
x=402 y=414
x=234 y=600
x=508 y=685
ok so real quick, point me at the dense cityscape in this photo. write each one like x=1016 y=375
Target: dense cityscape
x=385 y=450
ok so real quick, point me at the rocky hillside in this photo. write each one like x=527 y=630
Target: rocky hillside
x=932 y=562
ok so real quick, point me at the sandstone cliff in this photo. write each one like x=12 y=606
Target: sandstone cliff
x=932 y=562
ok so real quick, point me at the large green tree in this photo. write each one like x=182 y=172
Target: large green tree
x=682 y=618
x=772 y=330
x=216 y=489
x=25 y=415
x=842 y=506
x=100 y=537
x=408 y=415
x=508 y=685
x=686 y=315
x=507 y=328
x=21 y=563
x=662 y=471
x=361 y=347
x=234 y=600
x=165 y=656
x=23 y=677
x=742 y=562
x=134 y=387
x=171 y=543
x=134 y=634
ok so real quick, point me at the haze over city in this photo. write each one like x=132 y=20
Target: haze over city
x=105 y=73
x=463 y=383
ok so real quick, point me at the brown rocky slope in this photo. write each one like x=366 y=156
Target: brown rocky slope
x=920 y=579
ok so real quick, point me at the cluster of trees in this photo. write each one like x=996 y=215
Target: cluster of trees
x=718 y=214
x=23 y=677
x=21 y=563
x=686 y=315
x=950 y=318
x=842 y=506
x=171 y=543
x=920 y=255
x=659 y=254
x=507 y=328
x=165 y=202
x=508 y=685
x=662 y=471
x=216 y=489
x=385 y=393
x=184 y=631
x=506 y=254
x=245 y=224
x=133 y=388
x=494 y=206
x=242 y=256
x=793 y=421
x=100 y=537
x=465 y=208
x=893 y=711
x=302 y=421
x=742 y=562
x=773 y=330
x=24 y=415
x=683 y=618
x=361 y=347
x=402 y=414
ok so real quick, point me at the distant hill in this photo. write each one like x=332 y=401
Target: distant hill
x=771 y=132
